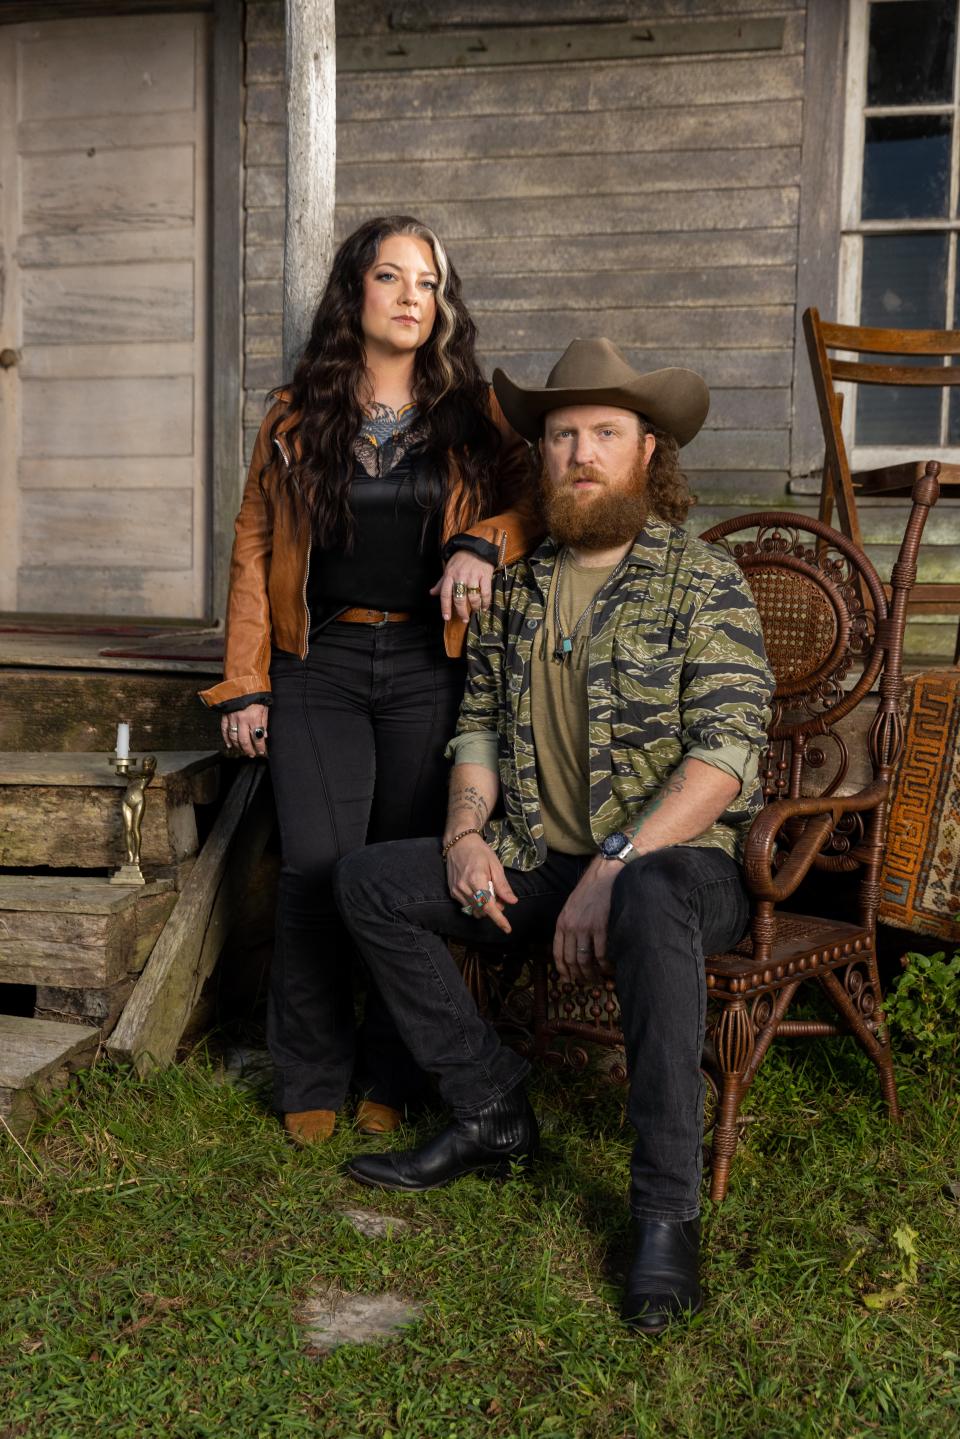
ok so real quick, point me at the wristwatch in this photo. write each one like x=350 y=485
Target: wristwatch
x=616 y=846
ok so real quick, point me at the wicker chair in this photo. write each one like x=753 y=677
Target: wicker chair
x=830 y=636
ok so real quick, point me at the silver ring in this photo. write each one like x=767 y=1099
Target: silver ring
x=583 y=951
x=233 y=729
x=467 y=909
x=259 y=732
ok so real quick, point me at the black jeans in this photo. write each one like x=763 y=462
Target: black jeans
x=357 y=734
x=668 y=909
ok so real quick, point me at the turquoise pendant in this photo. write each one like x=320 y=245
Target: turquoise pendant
x=564 y=649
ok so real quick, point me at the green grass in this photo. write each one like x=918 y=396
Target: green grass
x=155 y=1239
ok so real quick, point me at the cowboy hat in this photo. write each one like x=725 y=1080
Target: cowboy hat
x=594 y=372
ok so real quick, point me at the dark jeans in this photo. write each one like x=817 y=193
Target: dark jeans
x=357 y=734
x=668 y=909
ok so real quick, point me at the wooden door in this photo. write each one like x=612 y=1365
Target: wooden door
x=103 y=299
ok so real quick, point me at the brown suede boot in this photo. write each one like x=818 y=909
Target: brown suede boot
x=310 y=1126
x=377 y=1118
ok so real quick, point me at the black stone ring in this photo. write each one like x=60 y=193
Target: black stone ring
x=259 y=732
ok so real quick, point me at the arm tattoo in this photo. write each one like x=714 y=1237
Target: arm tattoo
x=673 y=785
x=472 y=801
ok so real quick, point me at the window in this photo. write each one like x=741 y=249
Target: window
x=900 y=209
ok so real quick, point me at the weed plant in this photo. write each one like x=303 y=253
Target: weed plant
x=157 y=1236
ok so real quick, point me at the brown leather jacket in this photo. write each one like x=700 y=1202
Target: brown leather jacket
x=267 y=606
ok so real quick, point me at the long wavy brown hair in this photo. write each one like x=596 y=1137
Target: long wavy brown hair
x=668 y=491
x=329 y=386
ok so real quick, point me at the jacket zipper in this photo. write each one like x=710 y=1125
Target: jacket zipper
x=502 y=551
x=305 y=646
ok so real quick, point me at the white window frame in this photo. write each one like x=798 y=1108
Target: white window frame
x=853 y=229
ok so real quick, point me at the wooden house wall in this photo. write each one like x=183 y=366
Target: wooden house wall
x=654 y=201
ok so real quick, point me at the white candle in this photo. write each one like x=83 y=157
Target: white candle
x=123 y=741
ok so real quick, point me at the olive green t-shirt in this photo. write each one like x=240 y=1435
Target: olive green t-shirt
x=558 y=700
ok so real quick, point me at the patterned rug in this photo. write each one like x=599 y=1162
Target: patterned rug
x=920 y=888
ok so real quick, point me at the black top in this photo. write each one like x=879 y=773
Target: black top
x=396 y=552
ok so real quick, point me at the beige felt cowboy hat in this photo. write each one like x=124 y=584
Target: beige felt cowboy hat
x=594 y=372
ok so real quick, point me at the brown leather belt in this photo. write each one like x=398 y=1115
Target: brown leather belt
x=374 y=617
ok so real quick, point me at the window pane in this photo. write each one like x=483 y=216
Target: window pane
x=911 y=52
x=904 y=288
x=906 y=167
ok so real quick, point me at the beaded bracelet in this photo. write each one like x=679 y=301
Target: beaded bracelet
x=456 y=840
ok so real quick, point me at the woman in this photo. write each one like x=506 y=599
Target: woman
x=384 y=475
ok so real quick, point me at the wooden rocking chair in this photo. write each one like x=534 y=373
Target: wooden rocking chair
x=840 y=486
x=826 y=621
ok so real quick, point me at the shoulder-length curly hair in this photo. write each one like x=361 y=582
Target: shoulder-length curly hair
x=328 y=389
x=668 y=491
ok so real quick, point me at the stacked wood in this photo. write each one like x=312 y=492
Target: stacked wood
x=35 y=1058
x=59 y=709
x=62 y=811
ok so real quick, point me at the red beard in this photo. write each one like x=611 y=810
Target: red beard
x=609 y=518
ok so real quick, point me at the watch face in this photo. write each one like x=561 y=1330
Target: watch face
x=613 y=844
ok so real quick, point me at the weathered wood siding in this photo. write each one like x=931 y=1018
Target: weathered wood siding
x=655 y=201
x=104 y=498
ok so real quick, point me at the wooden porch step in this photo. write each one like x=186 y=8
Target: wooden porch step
x=58 y=709
x=37 y=1057
x=78 y=933
x=63 y=811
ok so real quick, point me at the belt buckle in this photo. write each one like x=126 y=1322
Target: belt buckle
x=379 y=624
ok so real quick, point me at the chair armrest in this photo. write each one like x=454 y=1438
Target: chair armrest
x=763 y=881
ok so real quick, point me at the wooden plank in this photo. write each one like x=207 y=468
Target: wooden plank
x=62 y=710
x=150 y=1027
x=100 y=1006
x=532 y=177
x=183 y=774
x=64 y=811
x=731 y=369
x=83 y=829
x=75 y=933
x=671 y=211
x=17 y=11
x=108 y=304
x=227 y=322
x=107 y=247
x=536 y=255
x=136 y=66
x=111 y=362
x=32 y=1050
x=89 y=527
x=133 y=416
x=761 y=326
x=311 y=99
x=126 y=590
x=584 y=290
x=538 y=45
x=728 y=126
x=739 y=449
x=108 y=190
x=142 y=130
x=387 y=15
x=104 y=472
x=536 y=90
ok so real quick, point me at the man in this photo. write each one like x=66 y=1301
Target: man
x=616 y=703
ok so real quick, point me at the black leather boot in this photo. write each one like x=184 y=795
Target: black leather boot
x=487 y=1143
x=663 y=1283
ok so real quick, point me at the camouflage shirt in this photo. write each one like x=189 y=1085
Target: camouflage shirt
x=676 y=669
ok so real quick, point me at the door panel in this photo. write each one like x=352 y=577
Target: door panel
x=103 y=257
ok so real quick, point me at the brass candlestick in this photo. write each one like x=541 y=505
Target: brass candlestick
x=134 y=804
